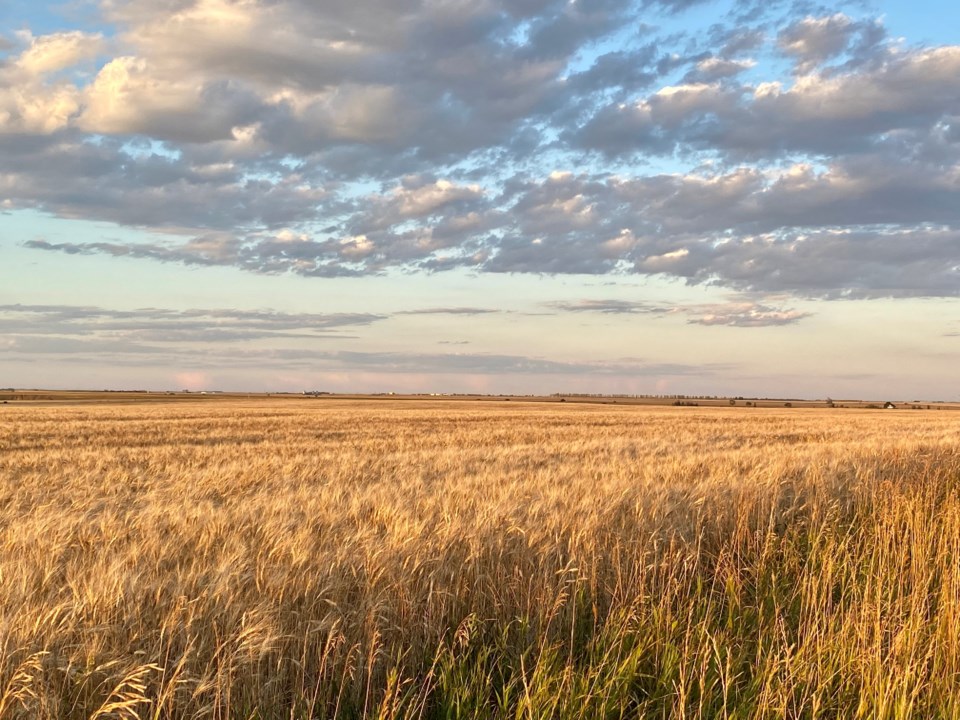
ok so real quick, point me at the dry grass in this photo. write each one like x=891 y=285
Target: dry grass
x=446 y=560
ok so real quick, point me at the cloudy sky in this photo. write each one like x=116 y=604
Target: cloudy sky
x=745 y=197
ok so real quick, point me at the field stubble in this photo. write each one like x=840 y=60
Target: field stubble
x=445 y=560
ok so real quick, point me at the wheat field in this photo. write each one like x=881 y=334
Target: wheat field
x=296 y=559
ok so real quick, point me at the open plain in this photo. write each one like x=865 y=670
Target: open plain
x=282 y=558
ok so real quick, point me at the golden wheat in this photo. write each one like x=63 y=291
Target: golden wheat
x=412 y=559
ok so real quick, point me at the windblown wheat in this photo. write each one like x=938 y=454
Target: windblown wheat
x=476 y=560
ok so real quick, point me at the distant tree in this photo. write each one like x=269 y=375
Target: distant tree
x=732 y=401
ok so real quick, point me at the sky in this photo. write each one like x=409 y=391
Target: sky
x=697 y=197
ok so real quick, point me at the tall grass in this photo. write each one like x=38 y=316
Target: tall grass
x=316 y=559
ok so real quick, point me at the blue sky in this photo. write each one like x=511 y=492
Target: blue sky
x=661 y=196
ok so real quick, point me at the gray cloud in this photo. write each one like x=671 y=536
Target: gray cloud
x=42 y=328
x=735 y=41
x=812 y=41
x=449 y=311
x=609 y=307
x=673 y=6
x=629 y=71
x=737 y=312
x=493 y=364
x=714 y=69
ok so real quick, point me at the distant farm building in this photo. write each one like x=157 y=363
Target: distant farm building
x=889 y=405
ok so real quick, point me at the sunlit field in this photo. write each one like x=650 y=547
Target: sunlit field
x=327 y=559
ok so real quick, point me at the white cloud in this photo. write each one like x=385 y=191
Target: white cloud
x=57 y=51
x=32 y=99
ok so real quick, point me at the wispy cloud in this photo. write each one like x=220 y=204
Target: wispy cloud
x=737 y=312
x=221 y=340
x=744 y=314
x=43 y=328
x=449 y=311
x=492 y=364
x=611 y=307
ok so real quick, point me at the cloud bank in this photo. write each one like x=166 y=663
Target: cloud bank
x=522 y=136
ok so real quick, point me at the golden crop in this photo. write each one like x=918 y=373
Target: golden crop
x=298 y=559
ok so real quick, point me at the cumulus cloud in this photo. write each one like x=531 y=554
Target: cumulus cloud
x=33 y=97
x=350 y=138
x=128 y=98
x=46 y=54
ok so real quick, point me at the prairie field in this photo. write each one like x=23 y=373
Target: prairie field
x=373 y=559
